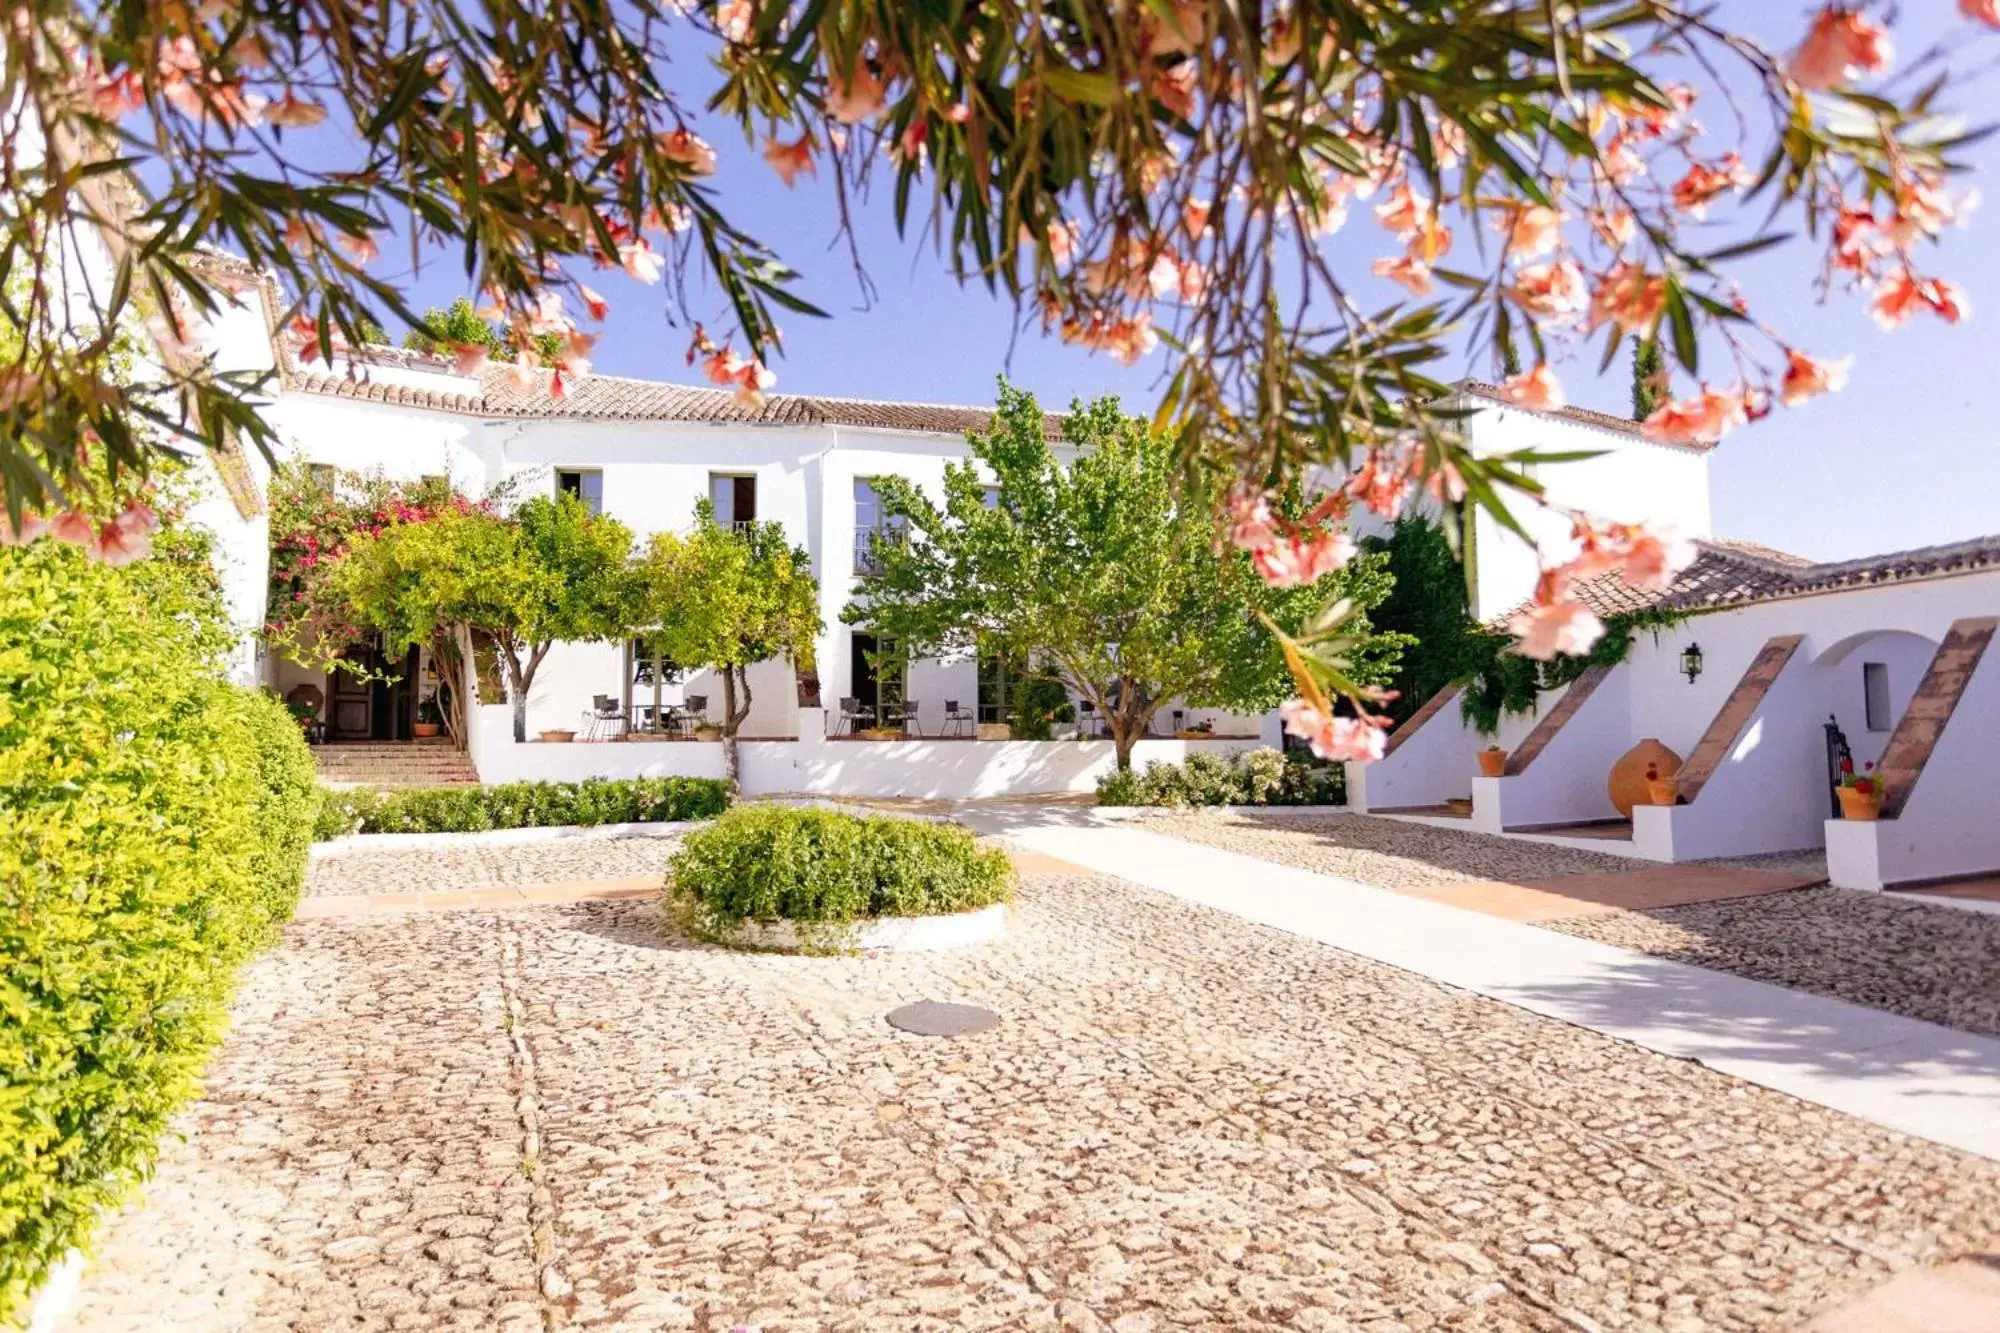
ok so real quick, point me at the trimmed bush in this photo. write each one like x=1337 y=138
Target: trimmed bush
x=1261 y=777
x=153 y=826
x=521 y=805
x=823 y=867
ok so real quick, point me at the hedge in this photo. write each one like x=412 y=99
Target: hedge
x=520 y=805
x=1261 y=777
x=153 y=830
x=823 y=867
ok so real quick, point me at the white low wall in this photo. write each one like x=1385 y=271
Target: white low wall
x=1565 y=783
x=920 y=769
x=1430 y=766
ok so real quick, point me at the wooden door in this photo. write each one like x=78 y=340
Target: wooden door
x=351 y=715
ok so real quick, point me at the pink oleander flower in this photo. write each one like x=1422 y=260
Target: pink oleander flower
x=1552 y=291
x=1615 y=226
x=1982 y=11
x=1903 y=293
x=733 y=19
x=361 y=249
x=1924 y=208
x=301 y=237
x=1176 y=279
x=549 y=315
x=789 y=159
x=1531 y=229
x=294 y=112
x=1406 y=212
x=1857 y=240
x=1174 y=88
x=1842 y=44
x=73 y=527
x=1289 y=561
x=1408 y=270
x=856 y=97
x=469 y=358
x=1195 y=212
x=1703 y=183
x=1808 y=377
x=688 y=149
x=33 y=528
x=1629 y=297
x=1619 y=163
x=521 y=373
x=1250 y=524
x=127 y=537
x=1337 y=739
x=640 y=260
x=306 y=330
x=1702 y=419
x=595 y=304
x=1558 y=628
x=1538 y=390
x=1380 y=485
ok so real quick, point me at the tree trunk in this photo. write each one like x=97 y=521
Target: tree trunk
x=732 y=719
x=517 y=692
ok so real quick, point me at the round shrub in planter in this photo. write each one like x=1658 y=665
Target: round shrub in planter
x=826 y=882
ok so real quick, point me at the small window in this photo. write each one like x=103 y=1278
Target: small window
x=873 y=525
x=734 y=498
x=1875 y=695
x=995 y=689
x=990 y=497
x=321 y=475
x=586 y=485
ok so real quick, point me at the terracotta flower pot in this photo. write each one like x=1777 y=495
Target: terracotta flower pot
x=1492 y=763
x=423 y=731
x=1662 y=791
x=556 y=737
x=708 y=733
x=1858 y=804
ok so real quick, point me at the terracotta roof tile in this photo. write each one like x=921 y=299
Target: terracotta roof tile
x=1581 y=415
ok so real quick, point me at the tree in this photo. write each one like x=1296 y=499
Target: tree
x=1649 y=372
x=550 y=571
x=1427 y=601
x=1103 y=572
x=721 y=598
x=444 y=332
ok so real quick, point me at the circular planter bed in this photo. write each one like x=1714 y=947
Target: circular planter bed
x=823 y=881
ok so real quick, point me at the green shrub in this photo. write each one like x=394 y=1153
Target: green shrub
x=822 y=867
x=152 y=836
x=520 y=805
x=1261 y=777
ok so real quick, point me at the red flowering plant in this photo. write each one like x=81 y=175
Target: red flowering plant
x=1136 y=177
x=1867 y=781
x=316 y=513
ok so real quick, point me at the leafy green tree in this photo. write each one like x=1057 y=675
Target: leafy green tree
x=722 y=598
x=550 y=571
x=1428 y=603
x=1103 y=571
x=1649 y=372
x=460 y=325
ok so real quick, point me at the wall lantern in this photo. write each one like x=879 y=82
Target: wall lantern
x=1691 y=661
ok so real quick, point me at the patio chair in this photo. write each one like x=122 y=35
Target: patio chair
x=903 y=717
x=852 y=717
x=957 y=721
x=604 y=720
x=1087 y=720
x=693 y=714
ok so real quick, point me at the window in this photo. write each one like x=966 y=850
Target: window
x=321 y=475
x=734 y=498
x=875 y=675
x=990 y=497
x=995 y=690
x=872 y=526
x=586 y=484
x=1875 y=695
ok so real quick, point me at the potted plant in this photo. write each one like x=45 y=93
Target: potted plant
x=1661 y=790
x=707 y=731
x=303 y=711
x=993 y=731
x=556 y=736
x=1860 y=793
x=1198 y=731
x=429 y=719
x=1492 y=762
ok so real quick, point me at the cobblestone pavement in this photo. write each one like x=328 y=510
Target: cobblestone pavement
x=1911 y=958
x=430 y=869
x=565 y=1117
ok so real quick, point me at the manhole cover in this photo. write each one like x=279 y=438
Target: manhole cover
x=928 y=1018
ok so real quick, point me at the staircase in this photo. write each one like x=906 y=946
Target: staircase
x=394 y=764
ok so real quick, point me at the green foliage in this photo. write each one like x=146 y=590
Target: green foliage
x=153 y=823
x=1427 y=602
x=1649 y=374
x=550 y=571
x=441 y=332
x=823 y=867
x=1261 y=777
x=1104 y=571
x=722 y=598
x=1039 y=705
x=520 y=805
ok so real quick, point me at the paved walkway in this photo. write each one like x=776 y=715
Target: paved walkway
x=1916 y=1077
x=567 y=1116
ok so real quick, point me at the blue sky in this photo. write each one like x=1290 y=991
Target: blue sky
x=1906 y=456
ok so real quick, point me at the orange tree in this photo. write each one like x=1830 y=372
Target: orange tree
x=1133 y=173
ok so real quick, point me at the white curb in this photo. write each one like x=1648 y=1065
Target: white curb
x=501 y=837
x=884 y=934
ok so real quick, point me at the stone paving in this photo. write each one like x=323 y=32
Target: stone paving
x=565 y=1116
x=1917 y=959
x=430 y=869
